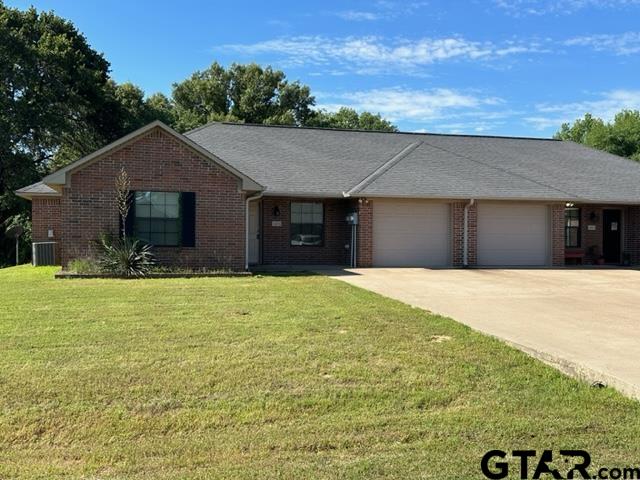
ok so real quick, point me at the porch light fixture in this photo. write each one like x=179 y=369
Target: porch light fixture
x=276 y=211
x=592 y=216
x=569 y=205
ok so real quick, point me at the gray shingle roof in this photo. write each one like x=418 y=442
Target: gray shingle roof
x=37 y=189
x=310 y=161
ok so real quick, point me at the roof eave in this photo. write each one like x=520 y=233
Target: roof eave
x=32 y=195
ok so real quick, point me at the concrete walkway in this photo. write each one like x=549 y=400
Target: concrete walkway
x=584 y=321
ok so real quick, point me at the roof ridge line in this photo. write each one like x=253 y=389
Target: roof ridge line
x=360 y=130
x=573 y=195
x=382 y=169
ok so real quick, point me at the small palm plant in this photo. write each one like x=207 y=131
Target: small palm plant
x=130 y=258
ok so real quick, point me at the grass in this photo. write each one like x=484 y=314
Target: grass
x=271 y=377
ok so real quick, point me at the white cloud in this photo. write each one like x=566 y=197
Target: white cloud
x=605 y=106
x=374 y=54
x=380 y=10
x=401 y=104
x=621 y=44
x=519 y=8
x=358 y=16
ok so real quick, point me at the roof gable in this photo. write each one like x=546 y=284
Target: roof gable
x=60 y=177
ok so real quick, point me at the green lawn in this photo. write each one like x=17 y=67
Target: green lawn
x=274 y=376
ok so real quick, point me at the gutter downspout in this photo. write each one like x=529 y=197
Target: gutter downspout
x=465 y=234
x=246 y=228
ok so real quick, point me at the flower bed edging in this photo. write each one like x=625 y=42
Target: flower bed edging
x=63 y=274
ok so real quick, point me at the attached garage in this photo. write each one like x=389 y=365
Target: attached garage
x=411 y=233
x=513 y=234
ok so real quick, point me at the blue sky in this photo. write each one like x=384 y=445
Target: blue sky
x=505 y=67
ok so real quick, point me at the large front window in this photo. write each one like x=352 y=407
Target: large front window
x=307 y=223
x=572 y=227
x=157 y=218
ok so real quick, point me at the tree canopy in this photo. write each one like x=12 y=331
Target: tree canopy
x=52 y=87
x=348 y=118
x=247 y=93
x=620 y=137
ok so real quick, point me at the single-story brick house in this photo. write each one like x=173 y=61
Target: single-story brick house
x=241 y=195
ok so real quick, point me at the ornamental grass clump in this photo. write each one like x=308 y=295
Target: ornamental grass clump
x=126 y=257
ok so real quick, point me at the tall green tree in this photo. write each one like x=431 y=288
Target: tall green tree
x=51 y=88
x=253 y=94
x=348 y=118
x=620 y=137
x=247 y=93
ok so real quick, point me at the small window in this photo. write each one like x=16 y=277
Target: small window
x=157 y=218
x=572 y=227
x=307 y=223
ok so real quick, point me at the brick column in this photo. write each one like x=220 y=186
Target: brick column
x=631 y=226
x=365 y=233
x=557 y=234
x=45 y=216
x=457 y=220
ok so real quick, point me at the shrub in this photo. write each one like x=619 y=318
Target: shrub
x=131 y=258
x=83 y=265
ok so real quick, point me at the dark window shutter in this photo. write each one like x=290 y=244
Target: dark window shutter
x=128 y=222
x=188 y=203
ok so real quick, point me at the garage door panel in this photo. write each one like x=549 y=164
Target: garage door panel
x=513 y=234
x=411 y=233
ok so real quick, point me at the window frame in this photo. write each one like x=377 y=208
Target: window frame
x=568 y=228
x=179 y=219
x=322 y=229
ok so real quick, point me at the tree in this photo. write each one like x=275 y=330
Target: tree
x=348 y=118
x=620 y=137
x=253 y=94
x=51 y=90
x=201 y=98
x=246 y=93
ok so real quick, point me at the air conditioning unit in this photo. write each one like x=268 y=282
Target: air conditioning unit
x=43 y=253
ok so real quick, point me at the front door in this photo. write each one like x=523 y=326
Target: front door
x=254 y=232
x=611 y=236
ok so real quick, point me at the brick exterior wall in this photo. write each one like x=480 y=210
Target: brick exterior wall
x=45 y=216
x=365 y=233
x=157 y=162
x=276 y=244
x=592 y=240
x=557 y=234
x=631 y=230
x=457 y=234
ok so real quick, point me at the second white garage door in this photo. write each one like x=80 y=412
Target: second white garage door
x=411 y=233
x=513 y=234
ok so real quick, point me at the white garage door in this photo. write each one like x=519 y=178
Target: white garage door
x=513 y=234
x=411 y=233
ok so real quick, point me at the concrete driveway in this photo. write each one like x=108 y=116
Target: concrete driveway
x=585 y=322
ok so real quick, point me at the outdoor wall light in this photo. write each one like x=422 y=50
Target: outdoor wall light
x=276 y=211
x=593 y=217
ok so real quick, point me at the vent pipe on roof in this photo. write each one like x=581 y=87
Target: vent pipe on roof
x=465 y=234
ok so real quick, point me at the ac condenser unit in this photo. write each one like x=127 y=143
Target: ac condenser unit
x=43 y=253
